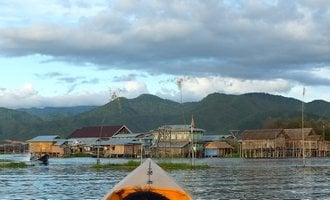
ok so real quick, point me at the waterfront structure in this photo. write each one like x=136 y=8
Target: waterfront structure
x=52 y=145
x=100 y=132
x=275 y=143
x=177 y=141
x=307 y=140
x=218 y=149
x=14 y=146
x=89 y=139
x=123 y=145
x=264 y=143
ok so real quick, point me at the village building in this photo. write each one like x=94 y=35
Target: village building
x=220 y=145
x=305 y=139
x=123 y=145
x=52 y=145
x=177 y=141
x=171 y=149
x=83 y=145
x=89 y=139
x=275 y=143
x=263 y=143
x=99 y=132
x=218 y=149
x=14 y=146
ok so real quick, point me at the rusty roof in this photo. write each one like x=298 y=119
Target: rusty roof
x=98 y=131
x=261 y=134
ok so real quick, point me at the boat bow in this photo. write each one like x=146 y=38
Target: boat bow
x=148 y=177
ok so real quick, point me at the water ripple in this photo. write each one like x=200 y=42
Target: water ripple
x=226 y=179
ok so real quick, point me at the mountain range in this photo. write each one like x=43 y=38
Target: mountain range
x=217 y=113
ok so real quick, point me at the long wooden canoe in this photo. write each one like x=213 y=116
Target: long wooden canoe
x=148 y=178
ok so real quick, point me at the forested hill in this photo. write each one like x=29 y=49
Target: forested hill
x=51 y=113
x=217 y=113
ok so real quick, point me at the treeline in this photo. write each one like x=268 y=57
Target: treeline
x=321 y=126
x=217 y=114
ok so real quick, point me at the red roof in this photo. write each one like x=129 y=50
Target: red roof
x=99 y=131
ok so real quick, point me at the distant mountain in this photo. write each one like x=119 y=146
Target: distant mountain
x=50 y=113
x=16 y=124
x=217 y=113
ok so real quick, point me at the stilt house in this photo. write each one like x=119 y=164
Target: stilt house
x=264 y=143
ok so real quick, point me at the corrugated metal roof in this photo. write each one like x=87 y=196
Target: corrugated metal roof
x=172 y=144
x=88 y=141
x=180 y=127
x=215 y=137
x=44 y=138
x=119 y=141
x=131 y=135
x=59 y=142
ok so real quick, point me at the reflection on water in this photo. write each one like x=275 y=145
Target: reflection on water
x=226 y=179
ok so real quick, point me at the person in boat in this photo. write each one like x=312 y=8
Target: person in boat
x=44 y=158
x=145 y=195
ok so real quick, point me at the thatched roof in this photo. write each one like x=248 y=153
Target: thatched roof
x=261 y=134
x=296 y=133
x=218 y=145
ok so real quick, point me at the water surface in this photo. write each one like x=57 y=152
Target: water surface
x=235 y=178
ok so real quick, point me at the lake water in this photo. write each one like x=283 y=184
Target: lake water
x=226 y=179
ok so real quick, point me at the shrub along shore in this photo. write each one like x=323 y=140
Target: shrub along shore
x=130 y=165
x=4 y=163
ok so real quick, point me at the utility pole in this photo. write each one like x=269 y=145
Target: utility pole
x=180 y=86
x=323 y=131
x=302 y=127
x=192 y=127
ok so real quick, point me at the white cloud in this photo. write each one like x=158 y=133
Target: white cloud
x=132 y=89
x=247 y=46
x=195 y=88
x=26 y=91
x=27 y=96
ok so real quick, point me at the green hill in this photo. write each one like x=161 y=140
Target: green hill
x=217 y=113
x=51 y=113
x=16 y=124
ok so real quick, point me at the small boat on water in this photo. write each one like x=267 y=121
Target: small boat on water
x=42 y=159
x=148 y=181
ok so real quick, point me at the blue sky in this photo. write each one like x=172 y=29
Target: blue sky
x=80 y=52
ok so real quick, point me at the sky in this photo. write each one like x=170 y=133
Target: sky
x=82 y=52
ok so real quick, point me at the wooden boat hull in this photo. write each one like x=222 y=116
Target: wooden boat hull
x=151 y=178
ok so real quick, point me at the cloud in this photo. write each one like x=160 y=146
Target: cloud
x=196 y=88
x=132 y=89
x=72 y=82
x=251 y=45
x=48 y=75
x=127 y=77
x=27 y=96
